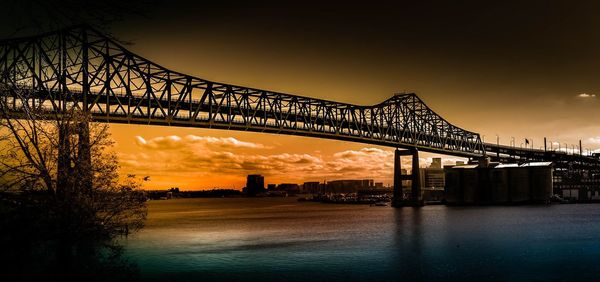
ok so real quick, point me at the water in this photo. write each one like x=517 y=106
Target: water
x=282 y=239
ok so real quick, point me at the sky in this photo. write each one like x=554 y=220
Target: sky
x=504 y=69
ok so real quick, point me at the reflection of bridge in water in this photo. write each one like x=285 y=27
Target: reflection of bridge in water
x=81 y=68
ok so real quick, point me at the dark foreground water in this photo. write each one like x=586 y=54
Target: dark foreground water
x=282 y=239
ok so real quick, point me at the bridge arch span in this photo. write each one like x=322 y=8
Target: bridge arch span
x=79 y=67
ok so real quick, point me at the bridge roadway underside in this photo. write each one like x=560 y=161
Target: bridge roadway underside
x=508 y=155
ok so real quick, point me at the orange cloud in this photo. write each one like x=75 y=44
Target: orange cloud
x=176 y=142
x=196 y=162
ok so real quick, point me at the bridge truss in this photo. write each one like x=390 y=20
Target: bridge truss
x=81 y=68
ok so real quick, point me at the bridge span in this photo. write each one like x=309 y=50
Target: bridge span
x=81 y=68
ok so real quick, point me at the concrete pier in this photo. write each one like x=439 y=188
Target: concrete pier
x=414 y=200
x=74 y=168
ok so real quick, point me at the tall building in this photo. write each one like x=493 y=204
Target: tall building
x=255 y=184
x=433 y=176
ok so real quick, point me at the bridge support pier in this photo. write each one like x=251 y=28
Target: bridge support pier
x=74 y=168
x=84 y=156
x=65 y=170
x=414 y=199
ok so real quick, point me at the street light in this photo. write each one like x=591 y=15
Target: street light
x=498 y=146
x=512 y=141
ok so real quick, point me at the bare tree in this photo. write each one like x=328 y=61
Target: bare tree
x=28 y=145
x=68 y=157
x=61 y=198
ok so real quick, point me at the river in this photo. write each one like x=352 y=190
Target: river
x=280 y=239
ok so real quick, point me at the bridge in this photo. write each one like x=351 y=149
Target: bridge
x=81 y=68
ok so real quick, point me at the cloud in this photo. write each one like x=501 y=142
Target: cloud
x=175 y=142
x=595 y=140
x=196 y=158
x=586 y=95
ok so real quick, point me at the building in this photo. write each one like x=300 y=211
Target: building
x=367 y=183
x=255 y=184
x=312 y=187
x=576 y=185
x=271 y=187
x=343 y=186
x=493 y=183
x=290 y=188
x=433 y=176
x=348 y=185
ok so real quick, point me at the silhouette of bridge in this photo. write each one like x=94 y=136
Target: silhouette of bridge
x=79 y=67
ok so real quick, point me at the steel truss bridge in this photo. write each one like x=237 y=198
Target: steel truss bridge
x=80 y=67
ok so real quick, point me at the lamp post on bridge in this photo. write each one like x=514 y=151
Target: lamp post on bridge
x=498 y=146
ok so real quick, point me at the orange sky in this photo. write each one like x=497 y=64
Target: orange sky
x=508 y=68
x=519 y=76
x=193 y=158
